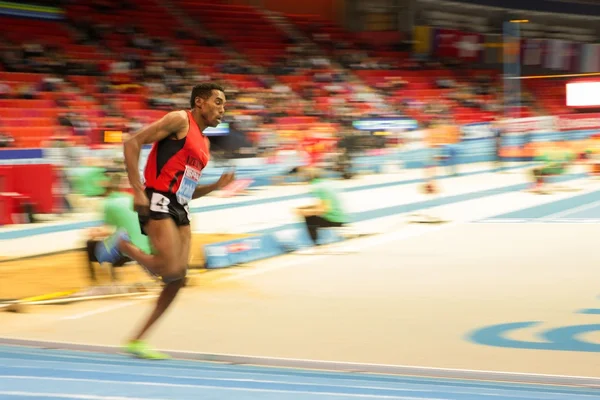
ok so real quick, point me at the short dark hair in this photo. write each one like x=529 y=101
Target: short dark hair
x=204 y=90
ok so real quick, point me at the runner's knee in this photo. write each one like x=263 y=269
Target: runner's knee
x=175 y=277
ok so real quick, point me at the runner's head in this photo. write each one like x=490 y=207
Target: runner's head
x=209 y=99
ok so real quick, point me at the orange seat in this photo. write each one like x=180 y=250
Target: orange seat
x=21 y=77
x=34 y=130
x=28 y=122
x=29 y=113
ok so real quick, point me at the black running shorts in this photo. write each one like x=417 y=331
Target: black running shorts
x=165 y=205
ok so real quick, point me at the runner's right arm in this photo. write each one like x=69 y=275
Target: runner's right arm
x=173 y=122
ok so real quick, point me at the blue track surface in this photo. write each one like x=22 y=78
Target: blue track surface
x=57 y=374
x=581 y=208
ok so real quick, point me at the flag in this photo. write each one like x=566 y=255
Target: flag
x=445 y=43
x=422 y=40
x=469 y=46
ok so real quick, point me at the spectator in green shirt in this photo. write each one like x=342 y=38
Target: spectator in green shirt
x=118 y=213
x=328 y=211
x=554 y=161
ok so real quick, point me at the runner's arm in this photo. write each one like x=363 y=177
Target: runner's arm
x=173 y=122
x=203 y=190
x=225 y=179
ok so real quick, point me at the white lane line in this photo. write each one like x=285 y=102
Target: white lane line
x=106 y=308
x=38 y=395
x=569 y=211
x=212 y=387
x=397 y=386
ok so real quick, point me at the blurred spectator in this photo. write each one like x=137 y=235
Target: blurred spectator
x=27 y=91
x=6 y=140
x=5 y=91
x=326 y=83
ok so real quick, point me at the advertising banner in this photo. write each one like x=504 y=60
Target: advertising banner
x=396 y=124
x=519 y=126
x=478 y=143
x=481 y=130
x=240 y=251
x=578 y=122
x=21 y=156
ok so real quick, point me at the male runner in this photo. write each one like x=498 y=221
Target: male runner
x=179 y=153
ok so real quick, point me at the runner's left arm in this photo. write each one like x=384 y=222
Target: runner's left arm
x=224 y=180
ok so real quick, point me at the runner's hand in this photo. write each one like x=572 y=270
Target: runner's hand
x=141 y=205
x=225 y=179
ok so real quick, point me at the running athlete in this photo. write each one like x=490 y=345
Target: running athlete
x=180 y=152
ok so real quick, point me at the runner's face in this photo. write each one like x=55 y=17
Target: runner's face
x=213 y=108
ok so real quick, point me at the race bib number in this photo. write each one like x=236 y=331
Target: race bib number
x=189 y=182
x=159 y=203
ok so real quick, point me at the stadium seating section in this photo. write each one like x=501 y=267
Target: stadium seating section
x=245 y=30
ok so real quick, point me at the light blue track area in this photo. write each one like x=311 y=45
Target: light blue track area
x=35 y=373
x=584 y=208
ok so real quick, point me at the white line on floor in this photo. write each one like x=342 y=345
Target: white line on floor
x=38 y=395
x=570 y=211
x=105 y=309
x=33 y=348
x=216 y=388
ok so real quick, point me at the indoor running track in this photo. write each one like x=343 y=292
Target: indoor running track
x=56 y=374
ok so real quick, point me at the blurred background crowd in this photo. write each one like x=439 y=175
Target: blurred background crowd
x=308 y=78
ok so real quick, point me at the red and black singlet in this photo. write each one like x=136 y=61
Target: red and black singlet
x=175 y=166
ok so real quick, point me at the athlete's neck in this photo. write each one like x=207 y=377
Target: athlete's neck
x=199 y=120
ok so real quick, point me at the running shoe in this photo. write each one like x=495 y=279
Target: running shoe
x=141 y=349
x=108 y=250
